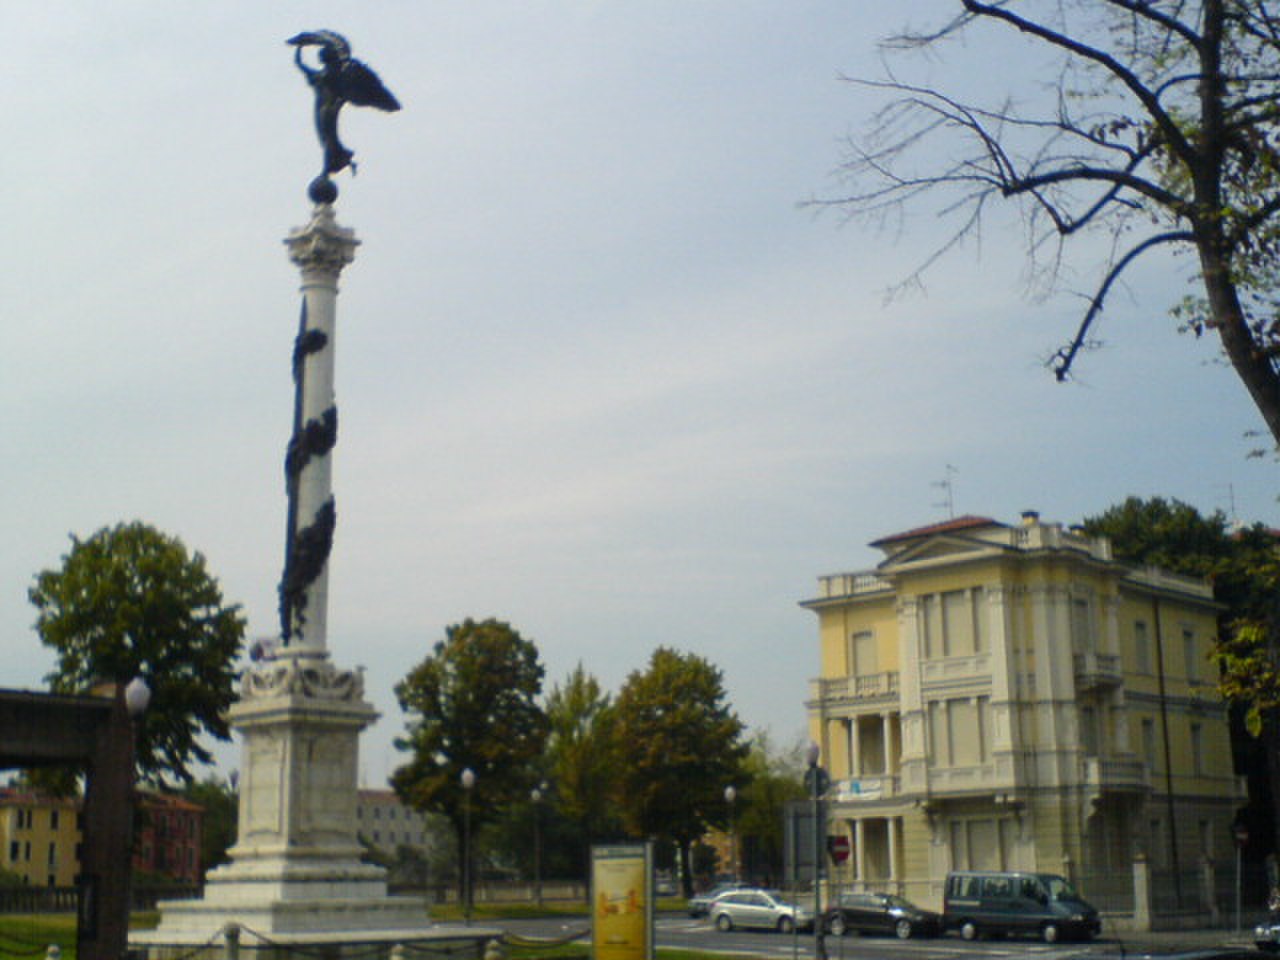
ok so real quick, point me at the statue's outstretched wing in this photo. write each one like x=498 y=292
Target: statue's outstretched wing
x=359 y=85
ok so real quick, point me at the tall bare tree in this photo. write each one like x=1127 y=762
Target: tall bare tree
x=1163 y=134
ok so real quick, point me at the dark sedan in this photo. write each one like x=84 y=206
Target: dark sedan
x=881 y=913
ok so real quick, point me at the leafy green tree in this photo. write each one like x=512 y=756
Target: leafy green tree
x=1162 y=134
x=583 y=761
x=776 y=779
x=218 y=825
x=472 y=704
x=131 y=601
x=683 y=745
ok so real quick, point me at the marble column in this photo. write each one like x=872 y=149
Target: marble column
x=320 y=249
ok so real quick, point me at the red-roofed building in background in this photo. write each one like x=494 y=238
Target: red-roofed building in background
x=168 y=841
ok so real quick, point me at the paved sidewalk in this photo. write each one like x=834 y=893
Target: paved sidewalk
x=1168 y=940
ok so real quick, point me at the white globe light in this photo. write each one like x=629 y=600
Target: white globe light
x=137 y=695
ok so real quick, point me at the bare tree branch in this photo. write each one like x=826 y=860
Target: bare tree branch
x=1062 y=360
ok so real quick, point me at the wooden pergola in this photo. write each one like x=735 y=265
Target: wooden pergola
x=94 y=734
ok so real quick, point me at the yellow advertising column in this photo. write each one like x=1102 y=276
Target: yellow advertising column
x=622 y=902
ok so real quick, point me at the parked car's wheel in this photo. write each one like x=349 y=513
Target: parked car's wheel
x=838 y=927
x=903 y=929
x=1050 y=933
x=786 y=924
x=724 y=923
x=969 y=930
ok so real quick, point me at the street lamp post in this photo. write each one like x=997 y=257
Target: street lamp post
x=536 y=796
x=730 y=795
x=1241 y=834
x=816 y=779
x=468 y=781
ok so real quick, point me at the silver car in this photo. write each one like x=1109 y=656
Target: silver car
x=759 y=909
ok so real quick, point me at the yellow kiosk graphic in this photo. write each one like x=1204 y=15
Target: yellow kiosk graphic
x=622 y=902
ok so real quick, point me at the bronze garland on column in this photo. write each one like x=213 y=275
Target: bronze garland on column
x=306 y=549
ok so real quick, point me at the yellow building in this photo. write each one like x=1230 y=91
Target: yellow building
x=1010 y=697
x=39 y=838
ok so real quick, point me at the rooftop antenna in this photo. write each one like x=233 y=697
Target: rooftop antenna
x=948 y=492
x=1235 y=523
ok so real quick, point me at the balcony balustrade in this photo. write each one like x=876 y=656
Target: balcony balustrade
x=1094 y=669
x=1112 y=774
x=865 y=788
x=851 y=585
x=870 y=686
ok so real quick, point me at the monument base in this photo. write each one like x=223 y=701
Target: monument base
x=295 y=874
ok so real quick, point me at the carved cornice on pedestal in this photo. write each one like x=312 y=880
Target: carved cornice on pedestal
x=302 y=677
x=322 y=245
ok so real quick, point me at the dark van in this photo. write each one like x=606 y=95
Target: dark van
x=1008 y=902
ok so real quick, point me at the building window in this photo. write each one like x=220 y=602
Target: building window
x=14 y=850
x=953 y=624
x=1141 y=647
x=26 y=851
x=862 y=654
x=1155 y=844
x=53 y=819
x=53 y=855
x=1191 y=654
x=960 y=731
x=1197 y=749
x=981 y=844
x=957 y=624
x=1082 y=633
x=1089 y=731
x=1149 y=743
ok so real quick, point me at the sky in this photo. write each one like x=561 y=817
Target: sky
x=602 y=374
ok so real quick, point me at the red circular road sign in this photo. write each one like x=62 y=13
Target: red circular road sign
x=839 y=848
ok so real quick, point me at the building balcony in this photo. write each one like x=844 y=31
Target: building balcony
x=983 y=778
x=1116 y=775
x=865 y=789
x=840 y=585
x=869 y=686
x=1095 y=670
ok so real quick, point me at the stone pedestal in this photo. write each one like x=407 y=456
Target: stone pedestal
x=296 y=867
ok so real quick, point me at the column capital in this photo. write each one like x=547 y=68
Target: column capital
x=322 y=245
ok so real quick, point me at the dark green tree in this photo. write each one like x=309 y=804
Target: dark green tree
x=472 y=704
x=1158 y=128
x=682 y=745
x=218 y=825
x=131 y=601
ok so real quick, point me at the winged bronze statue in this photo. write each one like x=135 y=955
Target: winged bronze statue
x=340 y=79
